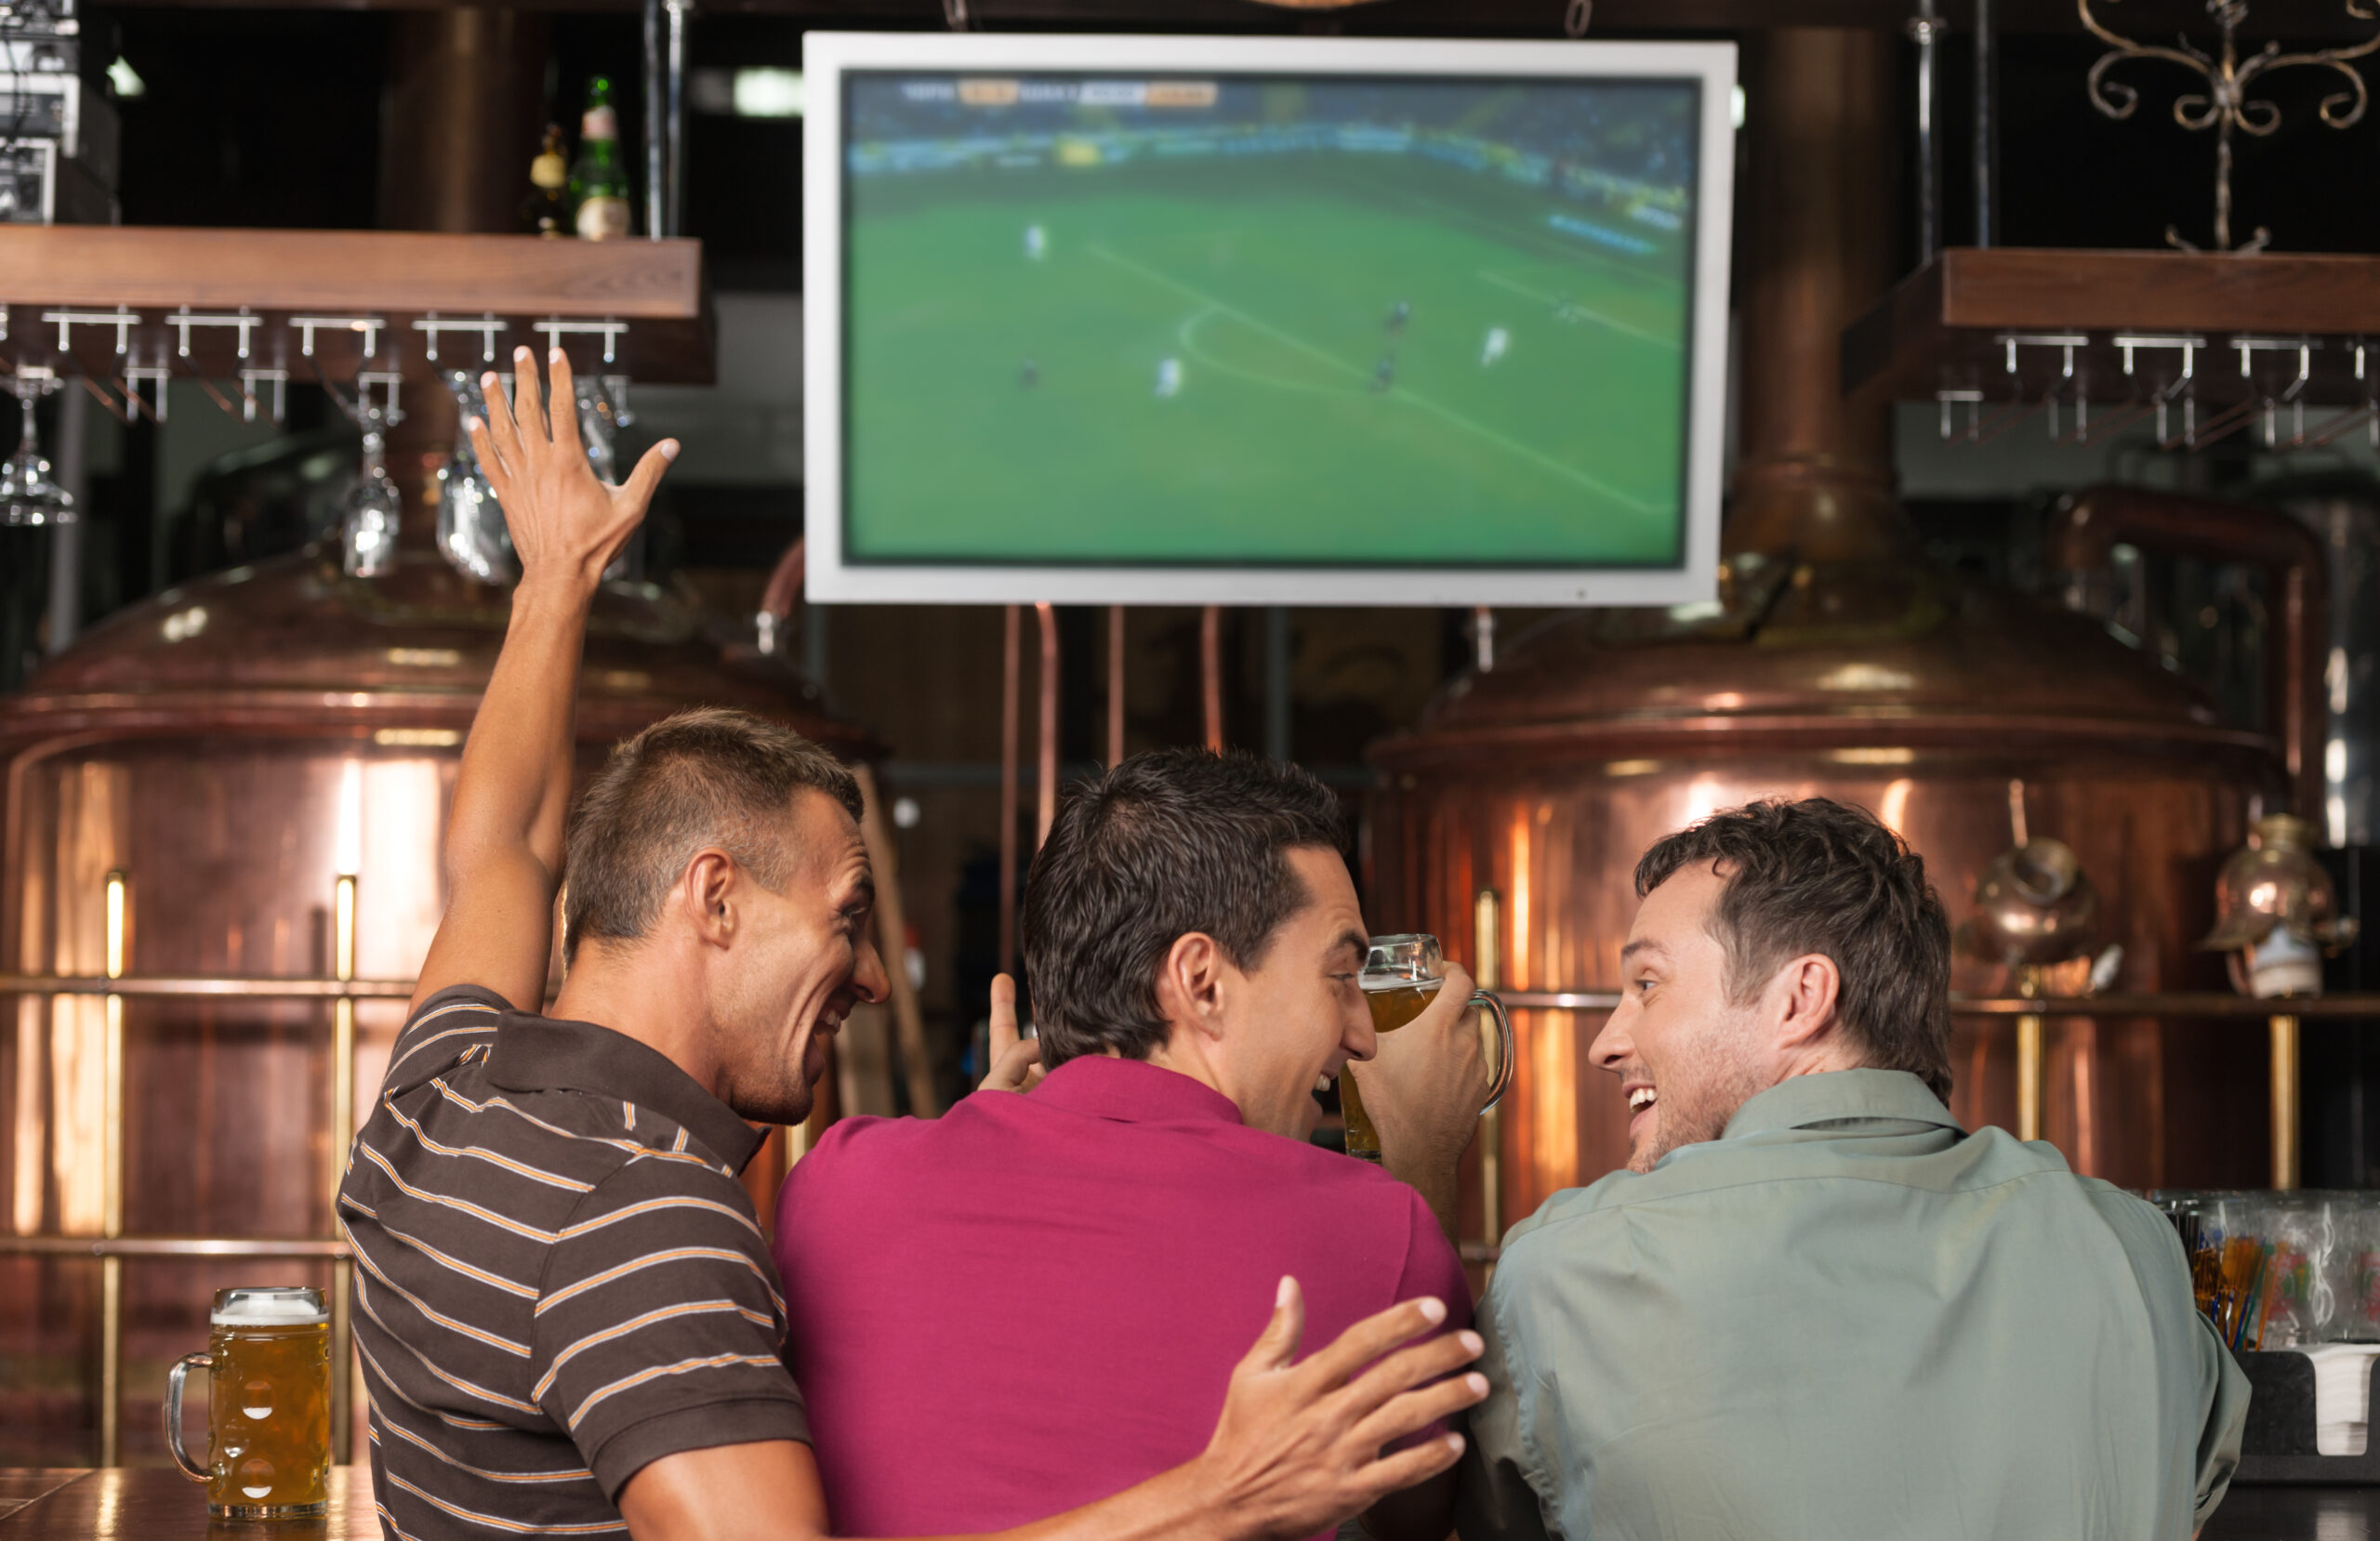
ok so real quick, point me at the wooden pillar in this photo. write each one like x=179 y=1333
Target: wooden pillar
x=461 y=123
x=1815 y=472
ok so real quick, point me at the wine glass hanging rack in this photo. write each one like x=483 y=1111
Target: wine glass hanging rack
x=2081 y=345
x=127 y=310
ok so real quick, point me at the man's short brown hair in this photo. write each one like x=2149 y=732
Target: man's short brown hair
x=1817 y=877
x=1170 y=842
x=707 y=777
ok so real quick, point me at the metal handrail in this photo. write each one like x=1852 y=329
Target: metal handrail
x=175 y=1246
x=2179 y=1003
x=202 y=985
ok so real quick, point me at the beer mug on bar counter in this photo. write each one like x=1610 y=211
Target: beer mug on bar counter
x=1401 y=975
x=269 y=1406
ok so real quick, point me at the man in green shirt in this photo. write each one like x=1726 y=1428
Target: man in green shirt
x=1813 y=1309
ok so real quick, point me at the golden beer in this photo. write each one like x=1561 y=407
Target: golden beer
x=1394 y=1003
x=1401 y=975
x=269 y=1406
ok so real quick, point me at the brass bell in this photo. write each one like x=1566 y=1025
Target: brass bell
x=2276 y=911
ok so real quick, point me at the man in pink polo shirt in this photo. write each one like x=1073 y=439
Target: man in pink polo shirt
x=1038 y=1299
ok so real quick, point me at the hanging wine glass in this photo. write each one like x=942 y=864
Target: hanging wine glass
x=28 y=494
x=597 y=426
x=372 y=508
x=471 y=534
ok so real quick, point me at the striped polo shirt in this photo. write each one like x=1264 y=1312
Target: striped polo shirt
x=558 y=1277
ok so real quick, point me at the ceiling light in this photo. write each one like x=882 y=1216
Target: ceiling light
x=768 y=93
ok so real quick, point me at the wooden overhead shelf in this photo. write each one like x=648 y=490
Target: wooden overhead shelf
x=1951 y=326
x=652 y=290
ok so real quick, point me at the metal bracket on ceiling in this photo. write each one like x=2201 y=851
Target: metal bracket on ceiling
x=183 y=321
x=2186 y=344
x=2066 y=342
x=433 y=327
x=2248 y=347
x=250 y=379
x=609 y=330
x=156 y=378
x=124 y=321
x=389 y=382
x=369 y=326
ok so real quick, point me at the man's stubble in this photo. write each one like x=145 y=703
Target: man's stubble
x=1695 y=1104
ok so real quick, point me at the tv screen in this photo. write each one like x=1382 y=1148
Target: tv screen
x=1135 y=320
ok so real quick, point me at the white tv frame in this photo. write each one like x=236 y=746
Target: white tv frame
x=825 y=57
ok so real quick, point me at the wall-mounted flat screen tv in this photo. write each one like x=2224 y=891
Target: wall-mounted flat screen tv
x=1176 y=319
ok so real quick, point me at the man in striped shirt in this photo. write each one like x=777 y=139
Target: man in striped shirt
x=567 y=1318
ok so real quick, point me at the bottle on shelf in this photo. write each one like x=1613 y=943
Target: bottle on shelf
x=599 y=183
x=546 y=212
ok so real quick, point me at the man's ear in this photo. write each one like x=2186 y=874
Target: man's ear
x=706 y=895
x=1189 y=983
x=1806 y=991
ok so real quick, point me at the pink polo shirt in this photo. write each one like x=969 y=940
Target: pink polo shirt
x=1036 y=1301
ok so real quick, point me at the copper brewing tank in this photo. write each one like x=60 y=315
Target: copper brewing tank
x=1545 y=779
x=1837 y=663
x=231 y=748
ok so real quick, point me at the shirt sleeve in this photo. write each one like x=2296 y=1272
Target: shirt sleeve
x=1431 y=1266
x=446 y=1027
x=2223 y=1397
x=1494 y=1498
x=658 y=1322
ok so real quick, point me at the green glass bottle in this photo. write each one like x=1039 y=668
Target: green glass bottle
x=599 y=183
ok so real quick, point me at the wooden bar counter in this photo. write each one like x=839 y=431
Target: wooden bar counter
x=2278 y=1514
x=160 y=1504
x=156 y=1504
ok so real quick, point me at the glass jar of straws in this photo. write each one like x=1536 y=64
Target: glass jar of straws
x=2282 y=1271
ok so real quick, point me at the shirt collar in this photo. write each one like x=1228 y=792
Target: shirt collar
x=1134 y=1091
x=546 y=1054
x=1836 y=1096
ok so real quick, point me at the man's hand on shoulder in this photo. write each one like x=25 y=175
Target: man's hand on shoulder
x=1298 y=1446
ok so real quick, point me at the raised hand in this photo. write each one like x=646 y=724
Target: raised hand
x=1298 y=1447
x=504 y=836
x=566 y=523
x=1017 y=1063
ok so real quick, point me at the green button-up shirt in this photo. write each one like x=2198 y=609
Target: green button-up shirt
x=1847 y=1318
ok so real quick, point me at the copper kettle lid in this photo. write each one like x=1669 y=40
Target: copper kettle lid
x=1891 y=650
x=296 y=645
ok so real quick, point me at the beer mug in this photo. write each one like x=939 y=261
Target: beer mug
x=1401 y=974
x=269 y=1406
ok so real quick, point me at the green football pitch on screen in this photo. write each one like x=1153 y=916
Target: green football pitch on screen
x=1303 y=357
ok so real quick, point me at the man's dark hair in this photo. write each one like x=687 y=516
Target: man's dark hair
x=1817 y=877
x=708 y=777
x=1170 y=842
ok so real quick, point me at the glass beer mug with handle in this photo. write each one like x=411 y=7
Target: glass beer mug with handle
x=1401 y=975
x=269 y=1406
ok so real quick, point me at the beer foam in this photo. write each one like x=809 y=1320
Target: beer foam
x=276 y=1307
